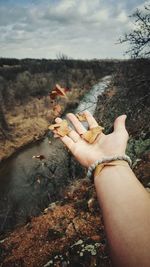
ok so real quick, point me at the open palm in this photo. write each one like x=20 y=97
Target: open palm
x=105 y=145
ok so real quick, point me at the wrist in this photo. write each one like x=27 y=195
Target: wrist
x=110 y=171
x=98 y=165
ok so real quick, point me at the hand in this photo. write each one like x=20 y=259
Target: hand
x=105 y=145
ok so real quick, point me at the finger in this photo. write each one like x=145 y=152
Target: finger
x=90 y=119
x=119 y=124
x=58 y=120
x=72 y=134
x=56 y=135
x=68 y=142
x=76 y=123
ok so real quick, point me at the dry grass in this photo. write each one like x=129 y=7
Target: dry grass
x=58 y=231
x=30 y=121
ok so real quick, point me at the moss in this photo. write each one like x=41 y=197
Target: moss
x=91 y=249
x=130 y=149
x=142 y=146
x=136 y=148
x=83 y=248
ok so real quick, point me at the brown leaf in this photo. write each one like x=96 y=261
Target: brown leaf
x=81 y=116
x=40 y=157
x=91 y=135
x=60 y=90
x=53 y=95
x=57 y=109
x=61 y=128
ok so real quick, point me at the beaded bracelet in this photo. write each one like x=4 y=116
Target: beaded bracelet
x=107 y=160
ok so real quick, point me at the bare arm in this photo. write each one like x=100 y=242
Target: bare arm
x=126 y=211
x=124 y=201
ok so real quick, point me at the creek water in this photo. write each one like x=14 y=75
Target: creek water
x=21 y=197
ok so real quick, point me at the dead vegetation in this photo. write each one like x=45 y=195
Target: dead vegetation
x=69 y=233
x=26 y=110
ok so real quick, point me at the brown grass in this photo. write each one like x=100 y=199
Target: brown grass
x=30 y=121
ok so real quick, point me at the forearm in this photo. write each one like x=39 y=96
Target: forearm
x=126 y=210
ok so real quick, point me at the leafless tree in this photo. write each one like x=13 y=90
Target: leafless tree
x=139 y=38
x=62 y=57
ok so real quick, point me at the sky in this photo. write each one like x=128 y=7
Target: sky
x=80 y=29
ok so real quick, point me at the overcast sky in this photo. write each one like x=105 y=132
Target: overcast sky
x=78 y=28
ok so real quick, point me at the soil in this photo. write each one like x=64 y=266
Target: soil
x=69 y=233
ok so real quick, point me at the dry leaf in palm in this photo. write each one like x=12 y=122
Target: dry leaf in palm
x=61 y=128
x=91 y=135
x=81 y=117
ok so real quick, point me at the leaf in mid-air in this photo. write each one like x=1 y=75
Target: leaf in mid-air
x=40 y=157
x=53 y=95
x=60 y=91
x=57 y=109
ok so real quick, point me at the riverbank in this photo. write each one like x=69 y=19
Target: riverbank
x=26 y=109
x=129 y=94
x=79 y=199
x=70 y=232
x=29 y=122
x=28 y=185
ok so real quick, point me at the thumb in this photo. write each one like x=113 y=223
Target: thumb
x=119 y=124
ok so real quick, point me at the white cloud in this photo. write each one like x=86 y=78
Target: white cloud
x=65 y=6
x=81 y=29
x=122 y=17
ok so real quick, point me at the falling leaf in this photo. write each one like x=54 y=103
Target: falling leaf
x=57 y=109
x=40 y=157
x=53 y=95
x=60 y=90
x=81 y=116
x=61 y=128
x=91 y=135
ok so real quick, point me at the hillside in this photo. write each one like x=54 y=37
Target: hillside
x=129 y=94
x=70 y=231
x=26 y=108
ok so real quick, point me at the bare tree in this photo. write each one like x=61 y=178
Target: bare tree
x=62 y=57
x=139 y=38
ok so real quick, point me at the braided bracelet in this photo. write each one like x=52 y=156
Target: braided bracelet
x=104 y=161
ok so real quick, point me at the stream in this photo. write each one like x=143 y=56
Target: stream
x=27 y=185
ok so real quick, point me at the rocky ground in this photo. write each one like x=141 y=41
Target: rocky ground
x=70 y=232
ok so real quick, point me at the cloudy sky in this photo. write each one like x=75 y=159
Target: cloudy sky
x=78 y=28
